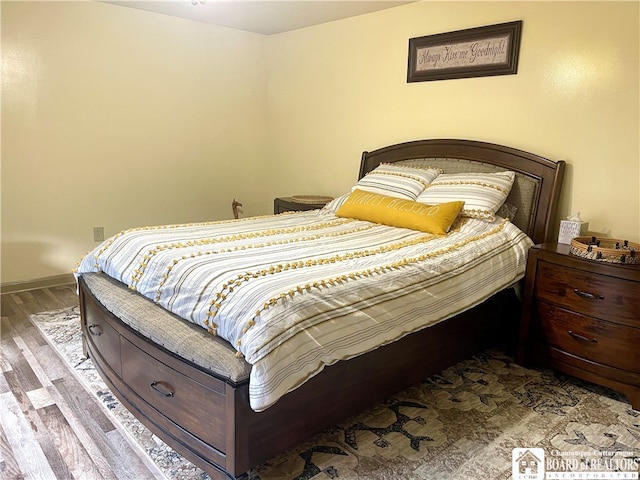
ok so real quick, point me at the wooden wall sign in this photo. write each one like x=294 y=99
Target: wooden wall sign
x=475 y=52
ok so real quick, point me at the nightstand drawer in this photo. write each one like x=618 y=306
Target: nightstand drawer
x=588 y=293
x=596 y=340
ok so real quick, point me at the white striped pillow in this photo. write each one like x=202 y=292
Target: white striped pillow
x=336 y=203
x=397 y=181
x=483 y=193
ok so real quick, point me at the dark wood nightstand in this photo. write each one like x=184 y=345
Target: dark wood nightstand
x=582 y=317
x=299 y=203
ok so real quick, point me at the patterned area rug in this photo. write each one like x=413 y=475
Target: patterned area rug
x=484 y=418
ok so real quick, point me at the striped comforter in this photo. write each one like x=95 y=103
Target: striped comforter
x=298 y=291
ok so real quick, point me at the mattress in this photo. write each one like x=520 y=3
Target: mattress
x=296 y=292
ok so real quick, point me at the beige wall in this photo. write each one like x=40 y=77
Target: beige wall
x=118 y=117
x=340 y=88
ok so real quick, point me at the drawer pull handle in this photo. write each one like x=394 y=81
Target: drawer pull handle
x=95 y=330
x=164 y=393
x=582 y=337
x=588 y=295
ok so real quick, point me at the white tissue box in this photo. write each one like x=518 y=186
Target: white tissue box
x=570 y=229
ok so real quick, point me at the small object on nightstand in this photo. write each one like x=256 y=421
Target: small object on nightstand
x=609 y=250
x=234 y=207
x=572 y=227
x=581 y=317
x=299 y=203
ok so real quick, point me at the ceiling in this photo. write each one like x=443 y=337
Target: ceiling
x=266 y=17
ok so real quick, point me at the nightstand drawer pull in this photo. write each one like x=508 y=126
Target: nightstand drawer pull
x=588 y=295
x=582 y=337
x=166 y=393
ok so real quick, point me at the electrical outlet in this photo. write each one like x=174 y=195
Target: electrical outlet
x=98 y=234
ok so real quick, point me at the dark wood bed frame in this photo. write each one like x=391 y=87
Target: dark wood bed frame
x=231 y=438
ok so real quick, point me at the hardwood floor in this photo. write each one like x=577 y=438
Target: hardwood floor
x=44 y=432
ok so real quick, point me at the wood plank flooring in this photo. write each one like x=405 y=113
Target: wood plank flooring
x=45 y=432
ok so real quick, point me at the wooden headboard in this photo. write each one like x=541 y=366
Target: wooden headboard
x=535 y=192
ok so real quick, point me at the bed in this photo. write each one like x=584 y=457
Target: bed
x=215 y=400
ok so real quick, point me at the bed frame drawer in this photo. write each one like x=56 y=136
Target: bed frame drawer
x=110 y=344
x=103 y=337
x=177 y=396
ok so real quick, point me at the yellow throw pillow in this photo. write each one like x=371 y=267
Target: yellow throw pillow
x=398 y=212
